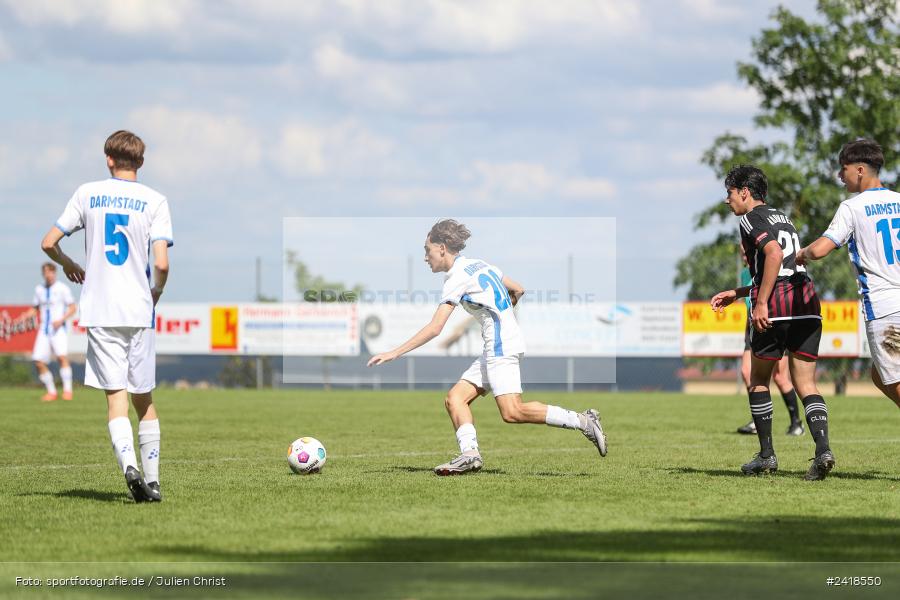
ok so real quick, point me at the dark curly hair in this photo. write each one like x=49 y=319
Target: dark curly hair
x=750 y=177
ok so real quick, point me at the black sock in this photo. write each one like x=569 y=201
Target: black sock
x=817 y=421
x=790 y=401
x=761 y=409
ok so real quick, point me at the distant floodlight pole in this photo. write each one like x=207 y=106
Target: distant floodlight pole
x=410 y=361
x=409 y=274
x=258 y=278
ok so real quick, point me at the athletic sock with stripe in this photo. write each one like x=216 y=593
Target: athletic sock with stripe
x=817 y=421
x=761 y=409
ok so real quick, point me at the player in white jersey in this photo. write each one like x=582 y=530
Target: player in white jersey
x=868 y=223
x=54 y=304
x=489 y=296
x=122 y=220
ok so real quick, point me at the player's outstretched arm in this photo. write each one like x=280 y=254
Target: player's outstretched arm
x=820 y=248
x=515 y=289
x=50 y=246
x=423 y=336
x=31 y=312
x=723 y=299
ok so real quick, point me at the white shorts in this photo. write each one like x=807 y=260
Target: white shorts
x=884 y=344
x=496 y=374
x=56 y=342
x=121 y=358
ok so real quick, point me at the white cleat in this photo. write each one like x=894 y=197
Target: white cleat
x=593 y=431
x=464 y=463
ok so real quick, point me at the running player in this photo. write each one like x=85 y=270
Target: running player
x=54 y=303
x=122 y=220
x=869 y=224
x=786 y=315
x=485 y=293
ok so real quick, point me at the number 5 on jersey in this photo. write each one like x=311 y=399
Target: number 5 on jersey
x=116 y=243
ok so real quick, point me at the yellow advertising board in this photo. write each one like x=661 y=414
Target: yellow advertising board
x=709 y=333
x=223 y=332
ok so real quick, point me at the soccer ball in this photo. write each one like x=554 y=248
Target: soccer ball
x=306 y=455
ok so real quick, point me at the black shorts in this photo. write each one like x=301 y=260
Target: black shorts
x=748 y=334
x=800 y=336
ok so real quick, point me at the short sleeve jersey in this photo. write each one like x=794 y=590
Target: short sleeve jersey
x=793 y=296
x=51 y=302
x=120 y=219
x=869 y=225
x=477 y=286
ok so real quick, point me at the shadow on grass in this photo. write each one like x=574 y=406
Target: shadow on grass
x=785 y=538
x=80 y=494
x=850 y=476
x=515 y=581
x=411 y=469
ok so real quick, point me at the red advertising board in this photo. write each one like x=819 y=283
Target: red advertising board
x=16 y=334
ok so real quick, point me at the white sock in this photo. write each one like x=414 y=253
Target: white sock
x=465 y=435
x=560 y=417
x=123 y=442
x=148 y=438
x=65 y=373
x=47 y=379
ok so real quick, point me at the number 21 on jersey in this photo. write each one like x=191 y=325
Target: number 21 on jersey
x=501 y=295
x=789 y=243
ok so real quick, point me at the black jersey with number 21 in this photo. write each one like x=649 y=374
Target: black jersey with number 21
x=794 y=296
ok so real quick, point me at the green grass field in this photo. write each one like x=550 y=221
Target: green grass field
x=670 y=490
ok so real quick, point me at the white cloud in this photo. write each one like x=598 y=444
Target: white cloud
x=187 y=143
x=720 y=98
x=5 y=51
x=514 y=178
x=19 y=163
x=361 y=81
x=588 y=188
x=490 y=183
x=130 y=16
x=525 y=179
x=489 y=26
x=712 y=10
x=346 y=149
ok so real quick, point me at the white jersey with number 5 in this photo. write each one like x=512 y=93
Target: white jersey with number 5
x=477 y=287
x=120 y=219
x=869 y=224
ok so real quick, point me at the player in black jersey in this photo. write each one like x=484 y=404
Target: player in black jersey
x=785 y=314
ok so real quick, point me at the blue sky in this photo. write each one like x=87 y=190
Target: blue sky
x=255 y=112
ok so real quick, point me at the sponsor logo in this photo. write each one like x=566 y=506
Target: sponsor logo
x=223 y=328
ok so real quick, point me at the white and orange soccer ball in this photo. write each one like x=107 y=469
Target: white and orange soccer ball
x=306 y=455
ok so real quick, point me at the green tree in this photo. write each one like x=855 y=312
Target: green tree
x=821 y=83
x=315 y=288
